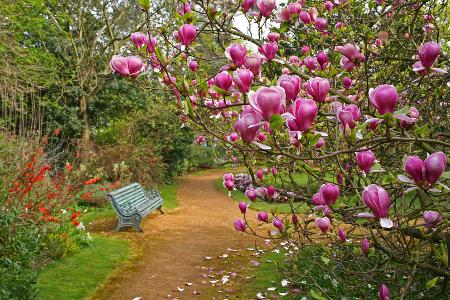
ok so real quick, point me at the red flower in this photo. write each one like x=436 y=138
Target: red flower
x=69 y=167
x=74 y=216
x=75 y=222
x=92 y=181
x=57 y=131
x=103 y=189
x=44 y=210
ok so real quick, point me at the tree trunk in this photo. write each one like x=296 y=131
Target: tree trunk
x=85 y=136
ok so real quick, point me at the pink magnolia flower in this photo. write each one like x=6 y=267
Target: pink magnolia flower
x=273 y=37
x=320 y=143
x=365 y=245
x=383 y=292
x=429 y=170
x=261 y=137
x=323 y=224
x=271 y=191
x=434 y=166
x=236 y=53
x=228 y=176
x=347 y=82
x=253 y=63
x=223 y=80
x=268 y=101
x=321 y=24
x=341 y=234
x=322 y=59
x=266 y=7
x=263 y=216
x=432 y=218
x=269 y=50
x=377 y=199
x=304 y=17
x=348 y=115
x=310 y=62
x=304 y=112
x=328 y=5
x=228 y=184
x=138 y=39
x=185 y=8
x=384 y=98
x=193 y=65
x=151 y=43
x=240 y=225
x=329 y=192
x=414 y=167
x=291 y=85
x=126 y=66
x=250 y=194
x=305 y=49
x=351 y=52
x=243 y=79
x=200 y=139
x=277 y=223
x=187 y=34
x=428 y=54
x=294 y=59
x=247 y=4
x=260 y=174
x=318 y=88
x=248 y=126
x=243 y=207
x=365 y=160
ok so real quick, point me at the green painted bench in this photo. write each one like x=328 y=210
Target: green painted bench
x=132 y=203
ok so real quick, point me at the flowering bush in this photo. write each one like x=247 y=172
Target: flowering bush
x=350 y=93
x=37 y=219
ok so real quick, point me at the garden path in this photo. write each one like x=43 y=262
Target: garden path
x=173 y=247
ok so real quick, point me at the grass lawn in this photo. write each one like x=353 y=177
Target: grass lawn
x=168 y=193
x=260 y=205
x=77 y=276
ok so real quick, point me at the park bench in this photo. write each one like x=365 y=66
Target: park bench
x=132 y=203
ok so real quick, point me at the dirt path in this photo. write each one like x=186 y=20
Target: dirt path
x=173 y=246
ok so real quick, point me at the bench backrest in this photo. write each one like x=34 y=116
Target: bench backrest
x=128 y=197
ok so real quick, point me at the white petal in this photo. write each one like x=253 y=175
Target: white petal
x=288 y=116
x=271 y=289
x=262 y=146
x=404 y=179
x=284 y=282
x=411 y=189
x=435 y=190
x=386 y=223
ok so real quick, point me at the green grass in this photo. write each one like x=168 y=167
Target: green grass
x=168 y=193
x=260 y=205
x=78 y=276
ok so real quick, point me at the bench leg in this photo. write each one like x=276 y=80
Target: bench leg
x=137 y=224
x=160 y=210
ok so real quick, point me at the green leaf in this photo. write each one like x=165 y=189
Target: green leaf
x=276 y=122
x=144 y=4
x=403 y=111
x=431 y=283
x=326 y=260
x=313 y=141
x=316 y=295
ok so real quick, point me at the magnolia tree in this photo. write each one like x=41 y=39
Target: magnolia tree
x=352 y=94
